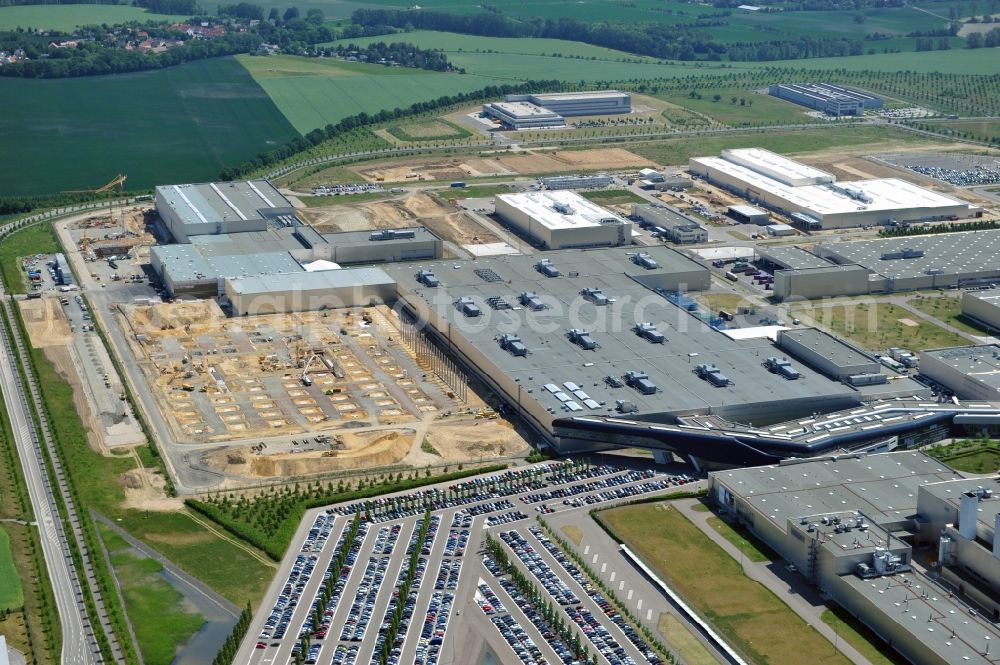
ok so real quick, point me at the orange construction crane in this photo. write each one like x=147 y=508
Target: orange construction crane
x=117 y=184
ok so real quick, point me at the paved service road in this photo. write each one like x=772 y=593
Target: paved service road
x=78 y=644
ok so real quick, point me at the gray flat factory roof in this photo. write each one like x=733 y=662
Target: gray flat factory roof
x=602 y=261
x=989 y=296
x=306 y=281
x=249 y=243
x=940 y=622
x=965 y=252
x=748 y=211
x=792 y=258
x=979 y=363
x=554 y=360
x=837 y=351
x=883 y=487
x=208 y=203
x=187 y=263
x=951 y=492
x=570 y=96
x=664 y=217
x=351 y=238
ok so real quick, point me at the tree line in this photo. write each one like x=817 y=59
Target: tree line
x=683 y=41
x=350 y=123
x=92 y=58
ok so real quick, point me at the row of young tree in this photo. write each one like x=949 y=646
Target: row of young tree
x=232 y=644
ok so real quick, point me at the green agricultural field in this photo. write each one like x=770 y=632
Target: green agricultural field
x=644 y=11
x=955 y=61
x=314 y=93
x=67 y=17
x=451 y=42
x=714 y=583
x=155 y=608
x=179 y=124
x=11 y=596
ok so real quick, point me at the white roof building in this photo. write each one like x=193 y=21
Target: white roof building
x=790 y=187
x=563 y=219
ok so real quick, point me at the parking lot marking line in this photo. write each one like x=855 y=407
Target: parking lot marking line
x=595 y=559
x=604 y=566
x=649 y=615
x=630 y=593
x=638 y=605
x=586 y=550
x=621 y=585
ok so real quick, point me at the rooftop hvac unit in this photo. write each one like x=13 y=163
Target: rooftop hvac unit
x=782 y=367
x=546 y=268
x=640 y=381
x=467 y=307
x=644 y=260
x=582 y=339
x=390 y=234
x=625 y=406
x=649 y=332
x=867 y=379
x=513 y=344
x=530 y=300
x=563 y=208
x=613 y=382
x=595 y=296
x=712 y=374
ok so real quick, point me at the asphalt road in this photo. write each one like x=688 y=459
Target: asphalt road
x=78 y=644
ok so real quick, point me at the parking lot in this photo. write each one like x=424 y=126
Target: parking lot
x=393 y=579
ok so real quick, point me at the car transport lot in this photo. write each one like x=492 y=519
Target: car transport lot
x=406 y=578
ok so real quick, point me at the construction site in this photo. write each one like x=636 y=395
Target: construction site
x=346 y=382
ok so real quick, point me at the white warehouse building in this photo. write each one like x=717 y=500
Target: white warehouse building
x=792 y=188
x=568 y=104
x=563 y=220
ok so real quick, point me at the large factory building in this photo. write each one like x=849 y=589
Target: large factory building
x=219 y=207
x=551 y=110
x=835 y=100
x=792 y=188
x=851 y=524
x=563 y=219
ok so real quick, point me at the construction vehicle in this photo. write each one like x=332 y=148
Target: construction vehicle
x=305 y=379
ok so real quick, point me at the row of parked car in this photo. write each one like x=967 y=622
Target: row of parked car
x=423 y=546
x=514 y=634
x=505 y=484
x=349 y=654
x=609 y=610
x=558 y=590
x=505 y=518
x=572 y=490
x=302 y=568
